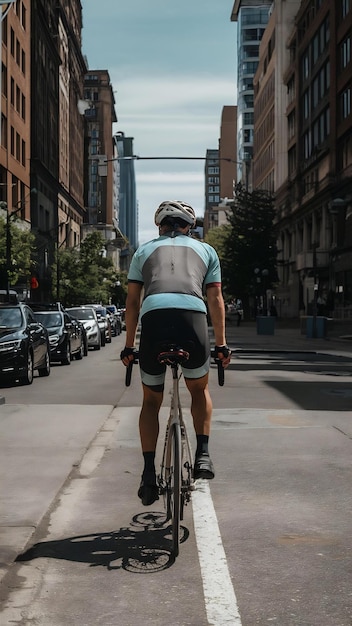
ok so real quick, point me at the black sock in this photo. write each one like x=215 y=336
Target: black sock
x=202 y=445
x=149 y=463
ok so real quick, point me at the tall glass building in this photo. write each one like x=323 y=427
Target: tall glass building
x=252 y=17
x=127 y=201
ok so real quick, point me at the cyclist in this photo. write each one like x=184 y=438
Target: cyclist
x=174 y=270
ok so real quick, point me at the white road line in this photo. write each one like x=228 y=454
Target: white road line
x=220 y=599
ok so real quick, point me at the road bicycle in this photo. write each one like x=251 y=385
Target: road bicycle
x=175 y=480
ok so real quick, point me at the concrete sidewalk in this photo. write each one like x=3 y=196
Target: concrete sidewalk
x=285 y=338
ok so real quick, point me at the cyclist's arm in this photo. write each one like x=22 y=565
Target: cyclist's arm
x=133 y=304
x=216 y=308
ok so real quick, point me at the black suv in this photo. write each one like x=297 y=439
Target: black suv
x=24 y=344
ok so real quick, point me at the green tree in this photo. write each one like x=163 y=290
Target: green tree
x=251 y=242
x=85 y=274
x=217 y=237
x=22 y=244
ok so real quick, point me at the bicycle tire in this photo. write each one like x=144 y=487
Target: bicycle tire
x=174 y=488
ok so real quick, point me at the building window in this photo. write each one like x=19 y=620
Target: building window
x=12 y=148
x=23 y=16
x=12 y=42
x=4 y=80
x=346 y=103
x=306 y=104
x=291 y=123
x=23 y=158
x=18 y=147
x=4 y=131
x=12 y=92
x=307 y=144
x=345 y=7
x=248 y=119
x=305 y=65
x=291 y=90
x=345 y=52
x=315 y=89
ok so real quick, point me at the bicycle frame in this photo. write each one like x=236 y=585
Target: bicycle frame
x=176 y=472
x=176 y=419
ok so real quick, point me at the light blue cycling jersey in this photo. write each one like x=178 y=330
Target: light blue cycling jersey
x=174 y=272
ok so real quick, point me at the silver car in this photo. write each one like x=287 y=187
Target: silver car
x=88 y=317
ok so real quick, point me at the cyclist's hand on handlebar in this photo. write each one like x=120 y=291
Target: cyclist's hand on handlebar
x=128 y=355
x=223 y=353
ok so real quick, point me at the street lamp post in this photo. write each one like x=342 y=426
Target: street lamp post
x=263 y=293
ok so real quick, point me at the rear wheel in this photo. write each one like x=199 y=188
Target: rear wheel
x=27 y=377
x=67 y=358
x=79 y=354
x=45 y=369
x=174 y=488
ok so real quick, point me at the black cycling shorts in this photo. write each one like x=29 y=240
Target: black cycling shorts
x=187 y=329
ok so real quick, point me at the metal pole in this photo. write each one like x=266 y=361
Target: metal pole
x=315 y=298
x=8 y=252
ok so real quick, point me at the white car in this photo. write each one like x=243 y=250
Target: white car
x=88 y=317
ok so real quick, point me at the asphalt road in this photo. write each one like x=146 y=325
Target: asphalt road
x=268 y=541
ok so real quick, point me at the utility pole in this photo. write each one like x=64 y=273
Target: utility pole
x=315 y=295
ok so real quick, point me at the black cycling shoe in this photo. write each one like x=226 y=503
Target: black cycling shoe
x=203 y=467
x=148 y=490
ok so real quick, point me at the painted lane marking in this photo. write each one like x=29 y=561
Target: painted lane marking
x=220 y=599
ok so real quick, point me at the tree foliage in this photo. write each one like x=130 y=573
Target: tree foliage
x=22 y=244
x=86 y=274
x=250 y=243
x=217 y=237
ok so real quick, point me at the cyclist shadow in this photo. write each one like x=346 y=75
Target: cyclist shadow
x=142 y=547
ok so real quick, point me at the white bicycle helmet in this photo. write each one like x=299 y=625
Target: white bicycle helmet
x=175 y=208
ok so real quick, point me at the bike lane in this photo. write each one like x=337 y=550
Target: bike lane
x=282 y=502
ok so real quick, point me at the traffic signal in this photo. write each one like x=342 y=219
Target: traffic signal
x=34 y=283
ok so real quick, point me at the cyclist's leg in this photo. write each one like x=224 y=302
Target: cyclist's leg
x=149 y=418
x=152 y=375
x=196 y=374
x=201 y=404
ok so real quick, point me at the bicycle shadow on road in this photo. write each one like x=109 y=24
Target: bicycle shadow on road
x=143 y=547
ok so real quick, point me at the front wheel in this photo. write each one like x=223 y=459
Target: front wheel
x=174 y=488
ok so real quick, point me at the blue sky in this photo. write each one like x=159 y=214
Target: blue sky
x=173 y=67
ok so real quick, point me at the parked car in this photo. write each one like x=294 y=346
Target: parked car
x=24 y=344
x=84 y=335
x=88 y=317
x=116 y=324
x=65 y=336
x=103 y=321
x=122 y=313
